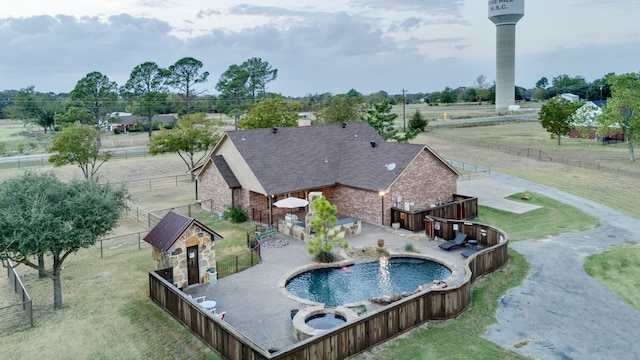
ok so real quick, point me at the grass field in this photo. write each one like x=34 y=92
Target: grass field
x=107 y=313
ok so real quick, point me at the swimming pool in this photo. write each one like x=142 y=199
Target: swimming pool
x=360 y=282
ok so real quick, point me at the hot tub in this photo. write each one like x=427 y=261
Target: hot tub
x=316 y=320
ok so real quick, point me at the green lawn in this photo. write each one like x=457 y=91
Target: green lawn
x=553 y=218
x=618 y=269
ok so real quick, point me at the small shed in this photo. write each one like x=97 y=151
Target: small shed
x=184 y=248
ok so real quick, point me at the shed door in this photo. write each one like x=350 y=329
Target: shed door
x=192 y=265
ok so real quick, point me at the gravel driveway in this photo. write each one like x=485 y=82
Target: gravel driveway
x=560 y=312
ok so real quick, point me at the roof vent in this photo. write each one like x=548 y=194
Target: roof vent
x=274 y=130
x=373 y=143
x=344 y=125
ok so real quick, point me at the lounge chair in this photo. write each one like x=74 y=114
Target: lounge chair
x=469 y=252
x=458 y=241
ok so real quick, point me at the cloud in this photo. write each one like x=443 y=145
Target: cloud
x=441 y=7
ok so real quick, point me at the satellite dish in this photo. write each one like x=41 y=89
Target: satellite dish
x=391 y=166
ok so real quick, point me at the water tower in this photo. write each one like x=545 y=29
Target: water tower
x=505 y=14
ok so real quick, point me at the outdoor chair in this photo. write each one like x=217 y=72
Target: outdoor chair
x=470 y=252
x=458 y=241
x=198 y=299
x=220 y=315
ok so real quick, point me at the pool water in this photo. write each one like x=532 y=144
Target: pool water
x=360 y=282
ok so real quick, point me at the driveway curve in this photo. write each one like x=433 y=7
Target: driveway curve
x=560 y=312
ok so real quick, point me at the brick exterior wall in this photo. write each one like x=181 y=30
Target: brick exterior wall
x=424 y=182
x=214 y=191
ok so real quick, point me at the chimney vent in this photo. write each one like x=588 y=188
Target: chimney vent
x=344 y=125
x=274 y=130
x=373 y=143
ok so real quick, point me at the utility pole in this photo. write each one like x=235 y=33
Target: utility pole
x=404 y=115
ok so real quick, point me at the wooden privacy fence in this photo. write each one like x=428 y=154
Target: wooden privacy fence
x=460 y=208
x=22 y=312
x=354 y=336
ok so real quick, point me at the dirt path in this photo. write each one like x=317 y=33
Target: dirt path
x=560 y=312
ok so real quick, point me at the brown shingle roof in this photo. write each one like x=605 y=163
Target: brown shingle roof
x=300 y=158
x=170 y=228
x=228 y=175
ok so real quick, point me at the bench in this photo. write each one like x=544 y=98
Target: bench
x=265 y=232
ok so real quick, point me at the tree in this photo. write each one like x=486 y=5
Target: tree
x=340 y=108
x=95 y=93
x=79 y=144
x=42 y=216
x=147 y=87
x=35 y=108
x=276 y=112
x=234 y=92
x=555 y=116
x=623 y=108
x=260 y=74
x=74 y=115
x=193 y=134
x=183 y=76
x=418 y=122
x=323 y=223
x=482 y=92
x=382 y=119
x=542 y=83
x=448 y=96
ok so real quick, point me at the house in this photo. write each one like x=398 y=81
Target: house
x=570 y=97
x=584 y=123
x=183 y=248
x=133 y=122
x=350 y=164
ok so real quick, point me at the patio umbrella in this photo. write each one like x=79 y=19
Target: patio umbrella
x=291 y=202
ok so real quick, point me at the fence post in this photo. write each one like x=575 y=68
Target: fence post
x=100 y=248
x=139 y=241
x=149 y=219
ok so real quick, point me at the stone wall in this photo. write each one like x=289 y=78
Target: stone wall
x=176 y=257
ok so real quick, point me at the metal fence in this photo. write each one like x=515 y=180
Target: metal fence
x=19 y=315
x=115 y=245
x=540 y=155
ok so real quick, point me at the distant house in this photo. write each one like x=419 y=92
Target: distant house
x=126 y=123
x=183 y=248
x=584 y=123
x=570 y=97
x=350 y=164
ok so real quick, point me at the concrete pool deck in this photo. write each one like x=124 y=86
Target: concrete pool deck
x=559 y=312
x=257 y=307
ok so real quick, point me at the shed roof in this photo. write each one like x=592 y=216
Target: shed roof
x=171 y=227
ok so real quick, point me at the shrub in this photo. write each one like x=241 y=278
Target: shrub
x=3 y=147
x=418 y=122
x=409 y=247
x=236 y=214
x=116 y=131
x=20 y=147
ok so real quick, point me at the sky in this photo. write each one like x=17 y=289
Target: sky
x=316 y=46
